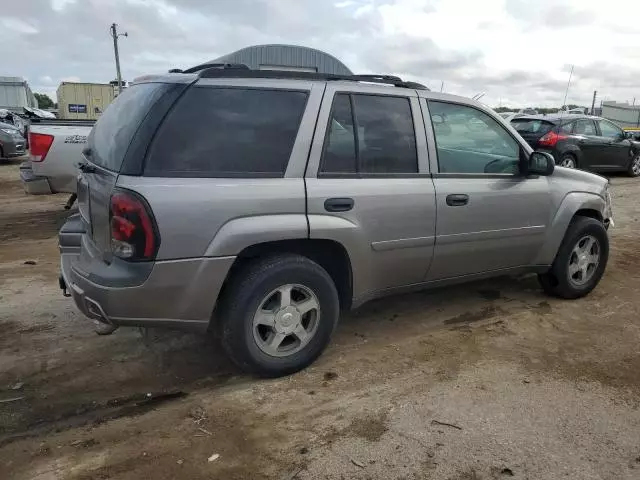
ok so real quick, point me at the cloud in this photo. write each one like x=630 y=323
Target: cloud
x=514 y=50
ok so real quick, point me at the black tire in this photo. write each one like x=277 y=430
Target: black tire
x=634 y=166
x=556 y=281
x=571 y=157
x=243 y=296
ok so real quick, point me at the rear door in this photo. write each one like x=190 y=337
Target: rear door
x=617 y=147
x=369 y=188
x=107 y=146
x=592 y=146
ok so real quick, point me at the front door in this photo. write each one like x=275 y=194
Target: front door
x=490 y=218
x=369 y=188
x=618 y=147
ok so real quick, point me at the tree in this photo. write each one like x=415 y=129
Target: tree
x=44 y=101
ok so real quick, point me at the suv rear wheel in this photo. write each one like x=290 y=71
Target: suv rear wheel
x=278 y=314
x=580 y=262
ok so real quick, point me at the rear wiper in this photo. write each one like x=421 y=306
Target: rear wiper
x=87 y=168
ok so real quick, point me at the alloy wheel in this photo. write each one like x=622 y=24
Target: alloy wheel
x=286 y=320
x=584 y=260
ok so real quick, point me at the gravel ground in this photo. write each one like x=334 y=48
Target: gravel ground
x=489 y=380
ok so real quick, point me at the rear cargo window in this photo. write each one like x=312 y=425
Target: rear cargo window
x=114 y=130
x=228 y=132
x=531 y=126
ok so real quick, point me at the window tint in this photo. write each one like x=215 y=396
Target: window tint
x=585 y=127
x=609 y=130
x=567 y=127
x=111 y=135
x=218 y=132
x=470 y=141
x=385 y=134
x=531 y=126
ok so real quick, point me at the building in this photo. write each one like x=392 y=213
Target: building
x=623 y=114
x=16 y=94
x=286 y=57
x=84 y=101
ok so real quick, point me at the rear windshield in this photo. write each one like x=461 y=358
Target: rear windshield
x=114 y=130
x=228 y=132
x=523 y=125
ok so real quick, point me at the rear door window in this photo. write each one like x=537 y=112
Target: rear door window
x=112 y=134
x=370 y=134
x=228 y=132
x=585 y=127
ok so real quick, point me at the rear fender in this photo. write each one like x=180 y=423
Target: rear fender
x=571 y=204
x=237 y=234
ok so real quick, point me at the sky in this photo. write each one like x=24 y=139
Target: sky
x=517 y=52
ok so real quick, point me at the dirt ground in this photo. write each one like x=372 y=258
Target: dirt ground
x=484 y=381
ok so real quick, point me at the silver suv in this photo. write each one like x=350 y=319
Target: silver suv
x=258 y=205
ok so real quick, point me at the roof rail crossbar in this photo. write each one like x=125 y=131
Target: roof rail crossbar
x=226 y=72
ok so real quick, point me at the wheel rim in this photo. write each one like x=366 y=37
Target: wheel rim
x=286 y=320
x=568 y=162
x=635 y=166
x=584 y=260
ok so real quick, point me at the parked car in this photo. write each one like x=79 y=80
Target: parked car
x=259 y=204
x=581 y=141
x=55 y=151
x=12 y=143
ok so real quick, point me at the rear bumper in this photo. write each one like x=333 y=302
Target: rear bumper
x=175 y=293
x=32 y=183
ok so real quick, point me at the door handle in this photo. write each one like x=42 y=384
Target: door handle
x=343 y=204
x=457 y=199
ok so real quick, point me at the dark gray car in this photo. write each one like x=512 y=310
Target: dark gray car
x=260 y=204
x=12 y=143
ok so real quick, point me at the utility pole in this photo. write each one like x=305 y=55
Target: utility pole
x=115 y=35
x=593 y=103
x=442 y=85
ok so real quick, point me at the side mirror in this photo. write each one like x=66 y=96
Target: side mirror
x=541 y=163
x=628 y=135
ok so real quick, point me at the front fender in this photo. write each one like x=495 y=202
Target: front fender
x=571 y=204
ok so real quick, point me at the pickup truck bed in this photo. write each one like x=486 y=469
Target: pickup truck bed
x=55 y=151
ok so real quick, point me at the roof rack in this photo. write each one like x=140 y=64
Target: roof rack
x=233 y=70
x=206 y=66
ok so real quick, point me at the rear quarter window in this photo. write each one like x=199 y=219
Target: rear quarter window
x=228 y=132
x=112 y=134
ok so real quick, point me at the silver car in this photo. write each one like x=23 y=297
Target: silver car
x=12 y=143
x=260 y=204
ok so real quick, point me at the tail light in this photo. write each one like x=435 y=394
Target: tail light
x=39 y=145
x=550 y=139
x=134 y=234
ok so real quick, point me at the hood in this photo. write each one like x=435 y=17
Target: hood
x=583 y=181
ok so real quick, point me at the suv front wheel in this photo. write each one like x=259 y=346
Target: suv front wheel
x=278 y=314
x=580 y=262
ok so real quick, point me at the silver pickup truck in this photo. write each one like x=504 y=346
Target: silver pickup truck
x=55 y=148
